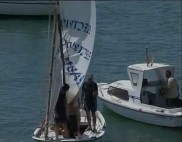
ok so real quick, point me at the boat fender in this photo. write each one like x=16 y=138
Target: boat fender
x=37 y=131
x=159 y=110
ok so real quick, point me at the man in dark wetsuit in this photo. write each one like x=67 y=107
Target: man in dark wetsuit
x=89 y=99
x=61 y=114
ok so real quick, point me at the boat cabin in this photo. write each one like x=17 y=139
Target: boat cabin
x=147 y=80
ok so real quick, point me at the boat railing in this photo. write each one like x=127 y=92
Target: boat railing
x=175 y=110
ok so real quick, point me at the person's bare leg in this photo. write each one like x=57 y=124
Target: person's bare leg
x=57 y=127
x=88 y=119
x=66 y=131
x=78 y=121
x=94 y=120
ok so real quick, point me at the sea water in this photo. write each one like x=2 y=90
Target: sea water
x=124 y=30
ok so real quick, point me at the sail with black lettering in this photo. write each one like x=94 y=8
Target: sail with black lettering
x=79 y=27
x=78 y=35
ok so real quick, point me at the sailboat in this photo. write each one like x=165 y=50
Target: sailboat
x=73 y=42
x=141 y=97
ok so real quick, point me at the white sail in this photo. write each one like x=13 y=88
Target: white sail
x=56 y=72
x=78 y=35
x=79 y=27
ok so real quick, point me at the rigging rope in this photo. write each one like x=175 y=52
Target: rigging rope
x=43 y=100
x=109 y=10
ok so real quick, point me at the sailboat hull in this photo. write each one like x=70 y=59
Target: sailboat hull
x=39 y=134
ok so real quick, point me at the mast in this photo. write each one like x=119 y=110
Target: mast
x=57 y=26
x=51 y=77
x=61 y=47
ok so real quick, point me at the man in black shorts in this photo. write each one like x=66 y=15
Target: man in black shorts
x=61 y=114
x=89 y=99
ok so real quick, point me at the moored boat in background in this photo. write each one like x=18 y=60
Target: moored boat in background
x=26 y=7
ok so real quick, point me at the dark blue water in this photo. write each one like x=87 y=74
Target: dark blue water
x=124 y=30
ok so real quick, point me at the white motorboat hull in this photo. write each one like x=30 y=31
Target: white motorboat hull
x=19 y=7
x=142 y=113
x=39 y=135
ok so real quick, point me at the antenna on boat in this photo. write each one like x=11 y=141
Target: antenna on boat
x=147 y=57
x=152 y=60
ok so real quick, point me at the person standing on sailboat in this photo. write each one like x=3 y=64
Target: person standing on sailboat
x=89 y=100
x=61 y=112
x=74 y=117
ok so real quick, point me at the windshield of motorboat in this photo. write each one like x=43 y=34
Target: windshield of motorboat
x=118 y=92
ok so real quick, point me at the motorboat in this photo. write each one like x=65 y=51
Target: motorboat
x=141 y=97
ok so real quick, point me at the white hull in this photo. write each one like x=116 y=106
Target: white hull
x=19 y=7
x=39 y=134
x=143 y=113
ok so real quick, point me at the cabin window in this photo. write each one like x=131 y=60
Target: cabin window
x=117 y=92
x=134 y=78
